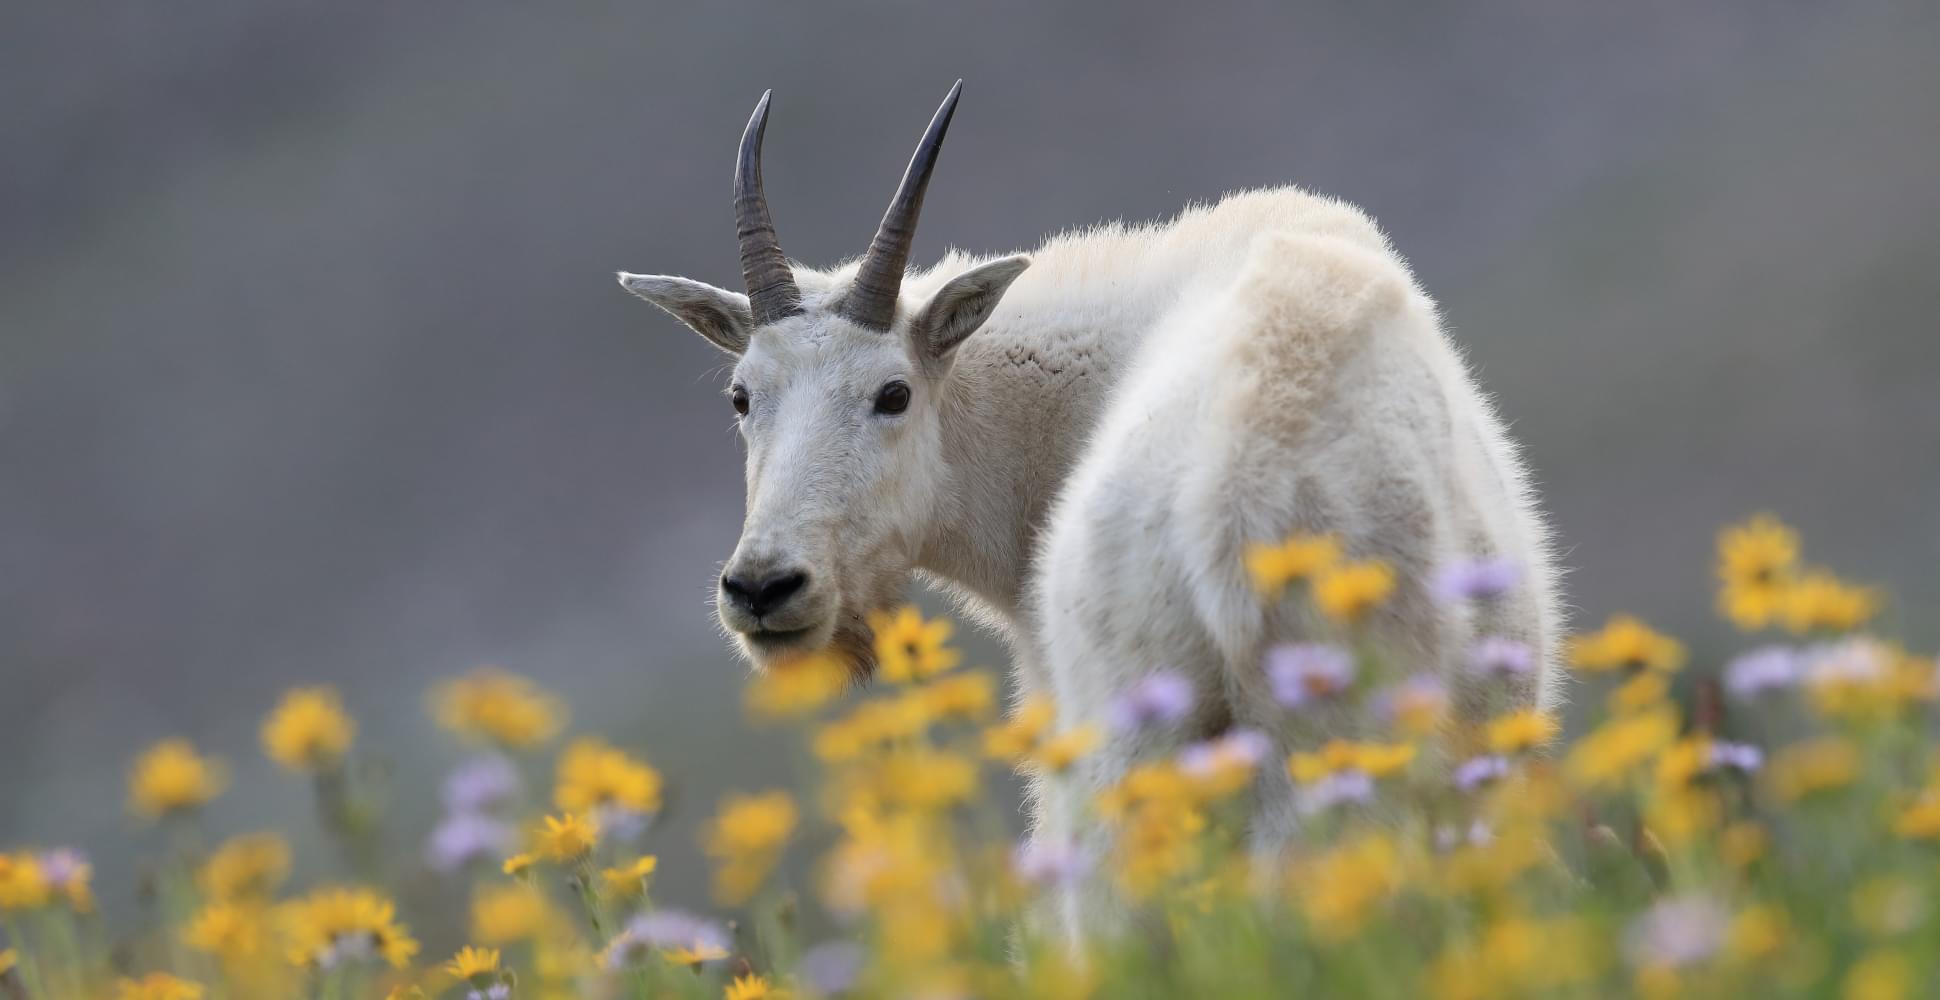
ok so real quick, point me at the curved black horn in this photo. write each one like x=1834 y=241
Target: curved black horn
x=872 y=300
x=771 y=285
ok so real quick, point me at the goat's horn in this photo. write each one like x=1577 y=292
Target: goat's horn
x=771 y=285
x=872 y=300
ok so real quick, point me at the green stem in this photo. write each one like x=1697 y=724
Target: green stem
x=29 y=965
x=582 y=879
x=348 y=822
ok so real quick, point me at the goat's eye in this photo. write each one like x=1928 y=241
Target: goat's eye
x=740 y=400
x=894 y=398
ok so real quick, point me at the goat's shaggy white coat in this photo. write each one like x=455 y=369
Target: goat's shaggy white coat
x=1140 y=404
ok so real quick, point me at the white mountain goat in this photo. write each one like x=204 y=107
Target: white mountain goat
x=1081 y=443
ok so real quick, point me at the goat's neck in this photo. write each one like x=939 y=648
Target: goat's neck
x=1023 y=402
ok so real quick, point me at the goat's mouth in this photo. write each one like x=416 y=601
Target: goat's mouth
x=779 y=638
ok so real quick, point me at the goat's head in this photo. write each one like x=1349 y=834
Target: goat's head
x=839 y=395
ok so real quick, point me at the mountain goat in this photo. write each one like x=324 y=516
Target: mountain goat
x=1080 y=443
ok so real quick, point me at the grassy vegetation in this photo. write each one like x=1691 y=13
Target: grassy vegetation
x=1773 y=832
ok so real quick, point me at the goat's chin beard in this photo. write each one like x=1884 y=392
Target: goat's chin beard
x=851 y=641
x=854 y=643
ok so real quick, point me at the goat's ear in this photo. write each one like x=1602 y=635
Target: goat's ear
x=963 y=303
x=715 y=313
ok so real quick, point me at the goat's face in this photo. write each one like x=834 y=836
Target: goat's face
x=840 y=406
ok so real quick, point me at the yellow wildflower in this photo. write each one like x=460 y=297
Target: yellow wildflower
x=232 y=931
x=23 y=885
x=250 y=865
x=969 y=695
x=909 y=648
x=308 y=730
x=473 y=962
x=871 y=725
x=1614 y=749
x=170 y=777
x=1756 y=933
x=1755 y=563
x=746 y=838
x=1058 y=753
x=1522 y=731
x=925 y=778
x=749 y=987
x=1347 y=592
x=1518 y=956
x=699 y=954
x=1752 y=607
x=1879 y=975
x=518 y=863
x=1382 y=760
x=1639 y=693
x=1376 y=760
x=157 y=986
x=751 y=824
x=1921 y=819
x=593 y=776
x=1818 y=600
x=630 y=880
x=1760 y=550
x=1742 y=843
x=567 y=837
x=1626 y=643
x=797 y=686
x=507 y=914
x=333 y=925
x=494 y=706
x=1157 y=782
x=1018 y=736
x=1338 y=890
x=1493 y=864
x=1158 y=840
x=1299 y=557
x=1418 y=707
x=1683 y=761
x=1814 y=766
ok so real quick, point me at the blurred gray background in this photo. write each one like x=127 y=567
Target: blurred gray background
x=313 y=369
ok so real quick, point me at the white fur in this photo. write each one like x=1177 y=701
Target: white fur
x=1085 y=470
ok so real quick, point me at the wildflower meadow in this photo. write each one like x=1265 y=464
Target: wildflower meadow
x=1761 y=826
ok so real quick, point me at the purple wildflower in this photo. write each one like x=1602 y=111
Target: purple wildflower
x=669 y=928
x=481 y=784
x=1742 y=757
x=1241 y=747
x=627 y=949
x=1339 y=788
x=832 y=967
x=1309 y=671
x=1495 y=656
x=465 y=838
x=1477 y=580
x=61 y=866
x=1412 y=703
x=1761 y=670
x=1044 y=861
x=1475 y=772
x=1163 y=698
x=1850 y=661
x=1678 y=932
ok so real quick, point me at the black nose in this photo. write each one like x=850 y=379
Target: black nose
x=758 y=597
